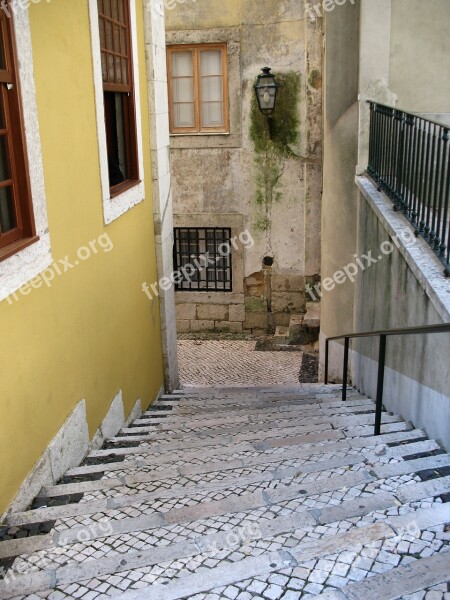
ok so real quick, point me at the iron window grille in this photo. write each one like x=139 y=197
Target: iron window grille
x=202 y=258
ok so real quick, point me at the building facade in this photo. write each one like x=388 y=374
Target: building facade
x=235 y=173
x=80 y=231
x=395 y=54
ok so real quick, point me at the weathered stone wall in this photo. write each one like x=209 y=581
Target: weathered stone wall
x=217 y=175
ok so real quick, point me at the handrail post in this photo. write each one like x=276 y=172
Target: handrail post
x=380 y=384
x=327 y=349
x=345 y=371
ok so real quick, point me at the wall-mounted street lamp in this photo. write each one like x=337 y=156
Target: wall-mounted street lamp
x=266 y=89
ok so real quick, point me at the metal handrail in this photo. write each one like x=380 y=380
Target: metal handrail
x=382 y=335
x=409 y=159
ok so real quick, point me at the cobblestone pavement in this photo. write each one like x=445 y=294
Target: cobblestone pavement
x=252 y=494
x=224 y=362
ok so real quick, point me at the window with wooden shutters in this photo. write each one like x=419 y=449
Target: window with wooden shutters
x=16 y=214
x=198 y=88
x=118 y=93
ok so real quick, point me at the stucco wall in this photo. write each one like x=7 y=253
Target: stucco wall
x=419 y=51
x=92 y=332
x=216 y=175
x=339 y=203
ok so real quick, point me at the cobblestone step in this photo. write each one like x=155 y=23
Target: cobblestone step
x=398 y=582
x=241 y=493
x=185 y=408
x=250 y=433
x=306 y=448
x=316 y=465
x=279 y=424
x=66 y=511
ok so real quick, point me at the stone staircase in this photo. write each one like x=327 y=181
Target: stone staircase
x=252 y=493
x=303 y=329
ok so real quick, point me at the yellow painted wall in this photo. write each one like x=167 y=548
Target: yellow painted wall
x=93 y=331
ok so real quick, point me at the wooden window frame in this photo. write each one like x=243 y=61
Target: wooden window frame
x=24 y=234
x=127 y=92
x=196 y=49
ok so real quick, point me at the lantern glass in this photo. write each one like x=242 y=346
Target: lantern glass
x=266 y=91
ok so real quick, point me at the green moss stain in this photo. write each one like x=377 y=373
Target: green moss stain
x=274 y=149
x=315 y=79
x=255 y=305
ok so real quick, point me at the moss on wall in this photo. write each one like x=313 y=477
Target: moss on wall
x=275 y=141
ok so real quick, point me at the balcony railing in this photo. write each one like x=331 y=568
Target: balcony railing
x=409 y=159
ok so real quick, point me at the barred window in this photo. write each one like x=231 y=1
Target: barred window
x=202 y=255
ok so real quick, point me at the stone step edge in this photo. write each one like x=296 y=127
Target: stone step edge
x=398 y=582
x=66 y=511
x=206 y=405
x=173 y=439
x=187 y=410
x=241 y=503
x=423 y=518
x=311 y=439
x=277 y=473
x=228 y=440
x=180 y=419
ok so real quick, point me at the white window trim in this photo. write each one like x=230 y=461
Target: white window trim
x=29 y=262
x=113 y=208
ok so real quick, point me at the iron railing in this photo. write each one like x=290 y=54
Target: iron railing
x=409 y=159
x=382 y=335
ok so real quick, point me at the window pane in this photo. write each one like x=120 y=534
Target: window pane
x=2 y=113
x=121 y=11
x=102 y=33
x=123 y=41
x=4 y=159
x=183 y=115
x=183 y=90
x=211 y=62
x=107 y=8
x=125 y=71
x=115 y=12
x=104 y=67
x=116 y=137
x=111 y=73
x=109 y=36
x=116 y=38
x=212 y=114
x=121 y=139
x=182 y=64
x=7 y=216
x=211 y=89
x=118 y=70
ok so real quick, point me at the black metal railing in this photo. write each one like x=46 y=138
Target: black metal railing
x=382 y=335
x=409 y=159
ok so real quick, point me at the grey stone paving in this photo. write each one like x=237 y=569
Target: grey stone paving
x=268 y=511
x=222 y=362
